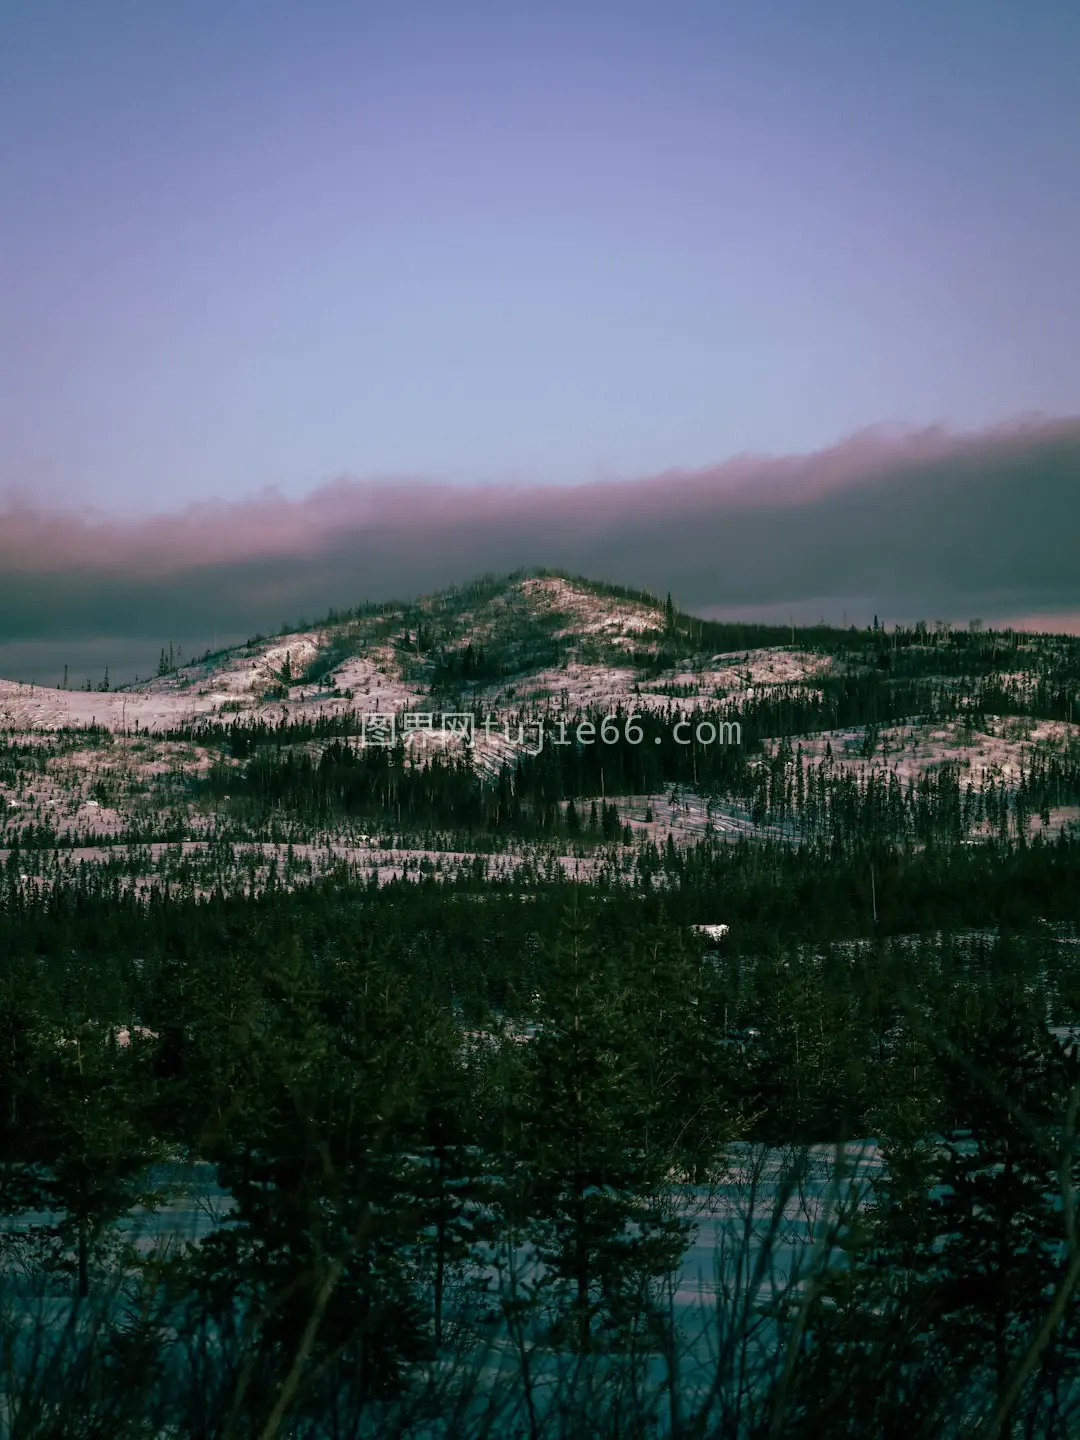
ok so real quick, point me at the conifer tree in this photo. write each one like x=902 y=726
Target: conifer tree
x=448 y=1177
x=91 y=1134
x=996 y=1211
x=321 y=1243
x=592 y=1180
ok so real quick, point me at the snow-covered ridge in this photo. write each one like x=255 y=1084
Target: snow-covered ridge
x=367 y=668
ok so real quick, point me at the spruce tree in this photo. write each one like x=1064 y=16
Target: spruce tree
x=996 y=1209
x=91 y=1135
x=320 y=1248
x=592 y=1180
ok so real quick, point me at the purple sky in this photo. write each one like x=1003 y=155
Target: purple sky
x=250 y=244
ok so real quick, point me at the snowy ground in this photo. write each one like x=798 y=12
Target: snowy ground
x=908 y=751
x=192 y=863
x=999 y=753
x=623 y=621
x=772 y=1221
x=728 y=678
x=765 y=1197
x=688 y=816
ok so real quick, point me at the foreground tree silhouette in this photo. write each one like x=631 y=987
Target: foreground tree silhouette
x=997 y=1209
x=958 y=1307
x=312 y=1279
x=91 y=1134
x=449 y=1178
x=592 y=1183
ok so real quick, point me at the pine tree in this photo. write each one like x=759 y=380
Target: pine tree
x=450 y=1181
x=996 y=1210
x=598 y=1231
x=953 y=1268
x=21 y=1052
x=91 y=1133
x=324 y=1223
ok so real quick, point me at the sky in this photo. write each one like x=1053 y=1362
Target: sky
x=253 y=246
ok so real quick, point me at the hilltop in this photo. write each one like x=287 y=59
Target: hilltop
x=736 y=731
x=501 y=641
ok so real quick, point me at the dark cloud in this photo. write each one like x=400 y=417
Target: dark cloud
x=927 y=524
